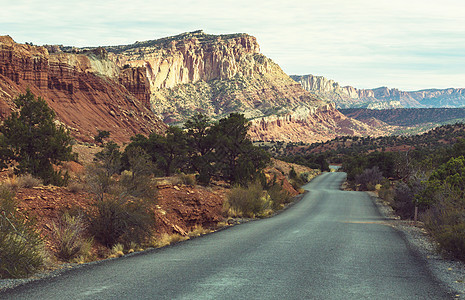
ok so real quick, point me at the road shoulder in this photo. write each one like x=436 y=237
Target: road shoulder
x=449 y=271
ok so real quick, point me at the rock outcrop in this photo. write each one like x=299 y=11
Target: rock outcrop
x=309 y=125
x=87 y=91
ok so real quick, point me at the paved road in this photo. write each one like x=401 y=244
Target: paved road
x=327 y=246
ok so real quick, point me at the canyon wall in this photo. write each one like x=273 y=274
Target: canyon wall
x=125 y=89
x=87 y=91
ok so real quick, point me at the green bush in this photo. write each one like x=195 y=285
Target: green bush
x=248 y=202
x=21 y=246
x=33 y=143
x=451 y=238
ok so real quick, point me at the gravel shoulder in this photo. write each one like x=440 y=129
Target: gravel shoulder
x=449 y=271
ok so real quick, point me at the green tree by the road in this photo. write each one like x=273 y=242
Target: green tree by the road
x=237 y=159
x=32 y=139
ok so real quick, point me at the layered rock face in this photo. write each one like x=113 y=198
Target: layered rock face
x=87 y=91
x=380 y=98
x=189 y=58
x=212 y=74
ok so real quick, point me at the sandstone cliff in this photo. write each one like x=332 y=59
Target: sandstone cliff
x=87 y=91
x=212 y=74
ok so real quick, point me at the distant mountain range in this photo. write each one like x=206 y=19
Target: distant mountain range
x=380 y=98
x=408 y=116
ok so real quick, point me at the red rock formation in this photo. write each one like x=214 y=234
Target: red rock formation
x=82 y=98
x=136 y=82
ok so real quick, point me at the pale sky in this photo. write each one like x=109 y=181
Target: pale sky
x=405 y=44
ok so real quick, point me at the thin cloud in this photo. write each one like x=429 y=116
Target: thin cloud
x=364 y=43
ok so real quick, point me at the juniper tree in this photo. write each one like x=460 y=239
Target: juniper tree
x=31 y=138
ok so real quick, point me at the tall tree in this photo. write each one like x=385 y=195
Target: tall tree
x=34 y=141
x=201 y=145
x=237 y=160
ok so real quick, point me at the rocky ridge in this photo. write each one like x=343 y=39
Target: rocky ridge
x=380 y=98
x=124 y=89
x=217 y=75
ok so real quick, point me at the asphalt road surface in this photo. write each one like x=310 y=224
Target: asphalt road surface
x=330 y=245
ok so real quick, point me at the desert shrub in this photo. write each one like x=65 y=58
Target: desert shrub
x=369 y=178
x=11 y=183
x=305 y=177
x=403 y=202
x=21 y=246
x=198 y=230
x=297 y=183
x=117 y=250
x=446 y=222
x=247 y=202
x=120 y=219
x=136 y=185
x=28 y=181
x=278 y=196
x=76 y=187
x=292 y=173
x=68 y=233
x=451 y=239
x=387 y=194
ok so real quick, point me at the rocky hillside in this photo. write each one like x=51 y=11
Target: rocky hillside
x=220 y=74
x=380 y=98
x=310 y=125
x=212 y=74
x=87 y=90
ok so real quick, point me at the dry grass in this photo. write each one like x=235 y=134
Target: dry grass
x=68 y=234
x=167 y=239
x=187 y=179
x=117 y=251
x=76 y=187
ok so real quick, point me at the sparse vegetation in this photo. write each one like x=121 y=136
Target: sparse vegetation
x=28 y=181
x=21 y=246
